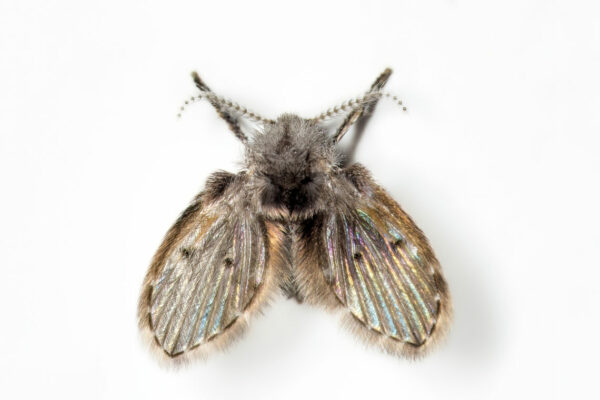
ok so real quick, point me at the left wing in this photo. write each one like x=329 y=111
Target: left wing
x=212 y=272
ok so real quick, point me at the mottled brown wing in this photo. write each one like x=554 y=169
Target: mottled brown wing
x=211 y=272
x=380 y=266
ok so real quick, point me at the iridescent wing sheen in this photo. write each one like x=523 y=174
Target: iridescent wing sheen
x=208 y=274
x=381 y=267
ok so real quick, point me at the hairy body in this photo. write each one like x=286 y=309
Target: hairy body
x=294 y=220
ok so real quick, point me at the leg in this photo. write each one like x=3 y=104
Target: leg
x=230 y=119
x=364 y=111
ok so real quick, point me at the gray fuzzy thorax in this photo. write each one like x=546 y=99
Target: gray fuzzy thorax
x=290 y=163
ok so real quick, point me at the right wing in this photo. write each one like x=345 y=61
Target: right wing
x=379 y=267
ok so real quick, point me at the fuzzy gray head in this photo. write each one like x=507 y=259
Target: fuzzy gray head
x=290 y=162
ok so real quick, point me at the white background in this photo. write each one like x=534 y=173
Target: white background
x=496 y=160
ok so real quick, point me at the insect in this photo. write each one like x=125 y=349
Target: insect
x=297 y=220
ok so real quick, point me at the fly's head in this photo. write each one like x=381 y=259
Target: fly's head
x=290 y=163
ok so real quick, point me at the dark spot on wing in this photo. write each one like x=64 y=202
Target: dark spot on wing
x=186 y=252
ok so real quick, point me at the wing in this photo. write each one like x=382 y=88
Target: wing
x=378 y=265
x=210 y=274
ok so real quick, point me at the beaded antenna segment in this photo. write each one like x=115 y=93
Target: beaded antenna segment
x=295 y=220
x=356 y=104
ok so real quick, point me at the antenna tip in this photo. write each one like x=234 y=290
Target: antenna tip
x=199 y=84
